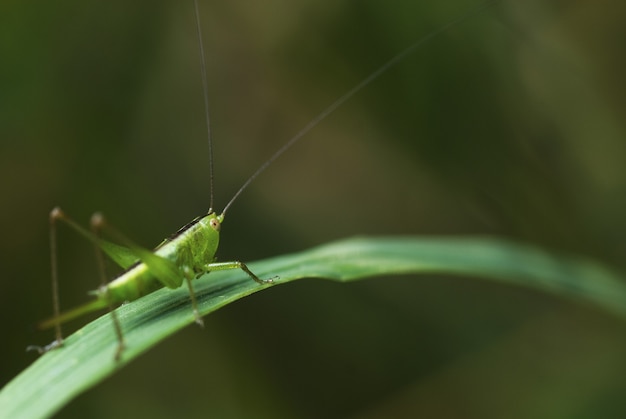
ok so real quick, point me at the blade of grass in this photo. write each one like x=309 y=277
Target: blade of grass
x=87 y=356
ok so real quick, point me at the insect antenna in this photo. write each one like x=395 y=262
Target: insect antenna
x=350 y=93
x=205 y=91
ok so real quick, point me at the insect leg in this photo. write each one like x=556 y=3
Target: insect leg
x=97 y=221
x=189 y=275
x=222 y=266
x=55 y=215
x=57 y=318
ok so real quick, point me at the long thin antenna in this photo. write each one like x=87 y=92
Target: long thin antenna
x=369 y=79
x=205 y=91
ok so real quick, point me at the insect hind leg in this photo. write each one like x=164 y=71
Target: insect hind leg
x=55 y=215
x=97 y=223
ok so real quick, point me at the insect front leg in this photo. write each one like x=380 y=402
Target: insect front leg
x=222 y=266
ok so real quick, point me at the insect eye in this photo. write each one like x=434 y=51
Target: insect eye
x=215 y=224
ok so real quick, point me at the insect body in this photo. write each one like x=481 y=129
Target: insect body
x=181 y=257
x=187 y=254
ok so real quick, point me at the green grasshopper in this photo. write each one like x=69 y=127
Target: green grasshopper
x=190 y=252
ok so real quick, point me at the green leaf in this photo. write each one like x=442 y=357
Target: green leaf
x=87 y=356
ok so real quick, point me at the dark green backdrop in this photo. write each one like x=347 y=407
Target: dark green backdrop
x=510 y=124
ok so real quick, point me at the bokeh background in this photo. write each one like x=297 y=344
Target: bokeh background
x=509 y=124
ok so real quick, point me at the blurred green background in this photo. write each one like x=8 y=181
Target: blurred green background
x=509 y=124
